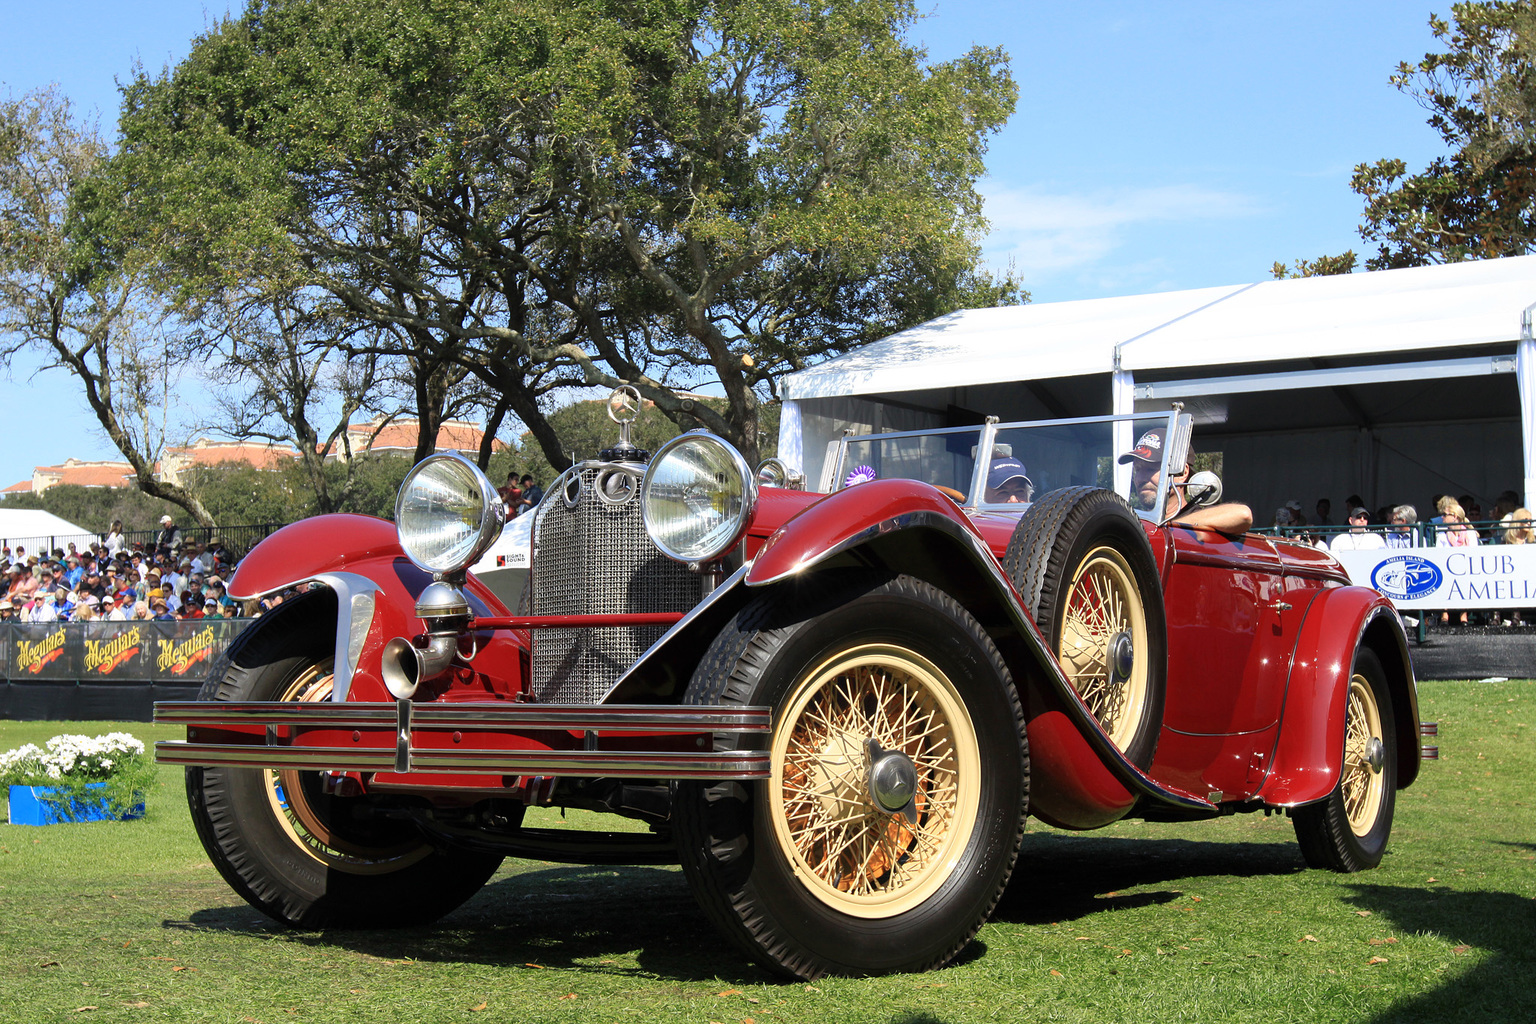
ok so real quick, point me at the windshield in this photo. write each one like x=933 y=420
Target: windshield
x=1022 y=460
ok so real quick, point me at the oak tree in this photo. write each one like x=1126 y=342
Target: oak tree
x=1479 y=200
x=553 y=193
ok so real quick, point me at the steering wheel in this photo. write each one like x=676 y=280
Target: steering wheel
x=959 y=496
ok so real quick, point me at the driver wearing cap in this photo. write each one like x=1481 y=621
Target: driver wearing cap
x=1146 y=458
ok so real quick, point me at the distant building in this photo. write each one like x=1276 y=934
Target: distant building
x=79 y=473
x=398 y=437
x=209 y=452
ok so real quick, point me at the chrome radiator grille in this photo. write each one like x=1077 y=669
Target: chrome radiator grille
x=595 y=559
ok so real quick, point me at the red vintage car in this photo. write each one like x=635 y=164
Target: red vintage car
x=835 y=707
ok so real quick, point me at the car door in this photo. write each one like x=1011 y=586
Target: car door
x=1231 y=633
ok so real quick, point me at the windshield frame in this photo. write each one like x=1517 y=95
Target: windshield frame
x=1176 y=424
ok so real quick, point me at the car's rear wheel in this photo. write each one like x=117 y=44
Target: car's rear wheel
x=1349 y=830
x=291 y=849
x=1082 y=563
x=900 y=779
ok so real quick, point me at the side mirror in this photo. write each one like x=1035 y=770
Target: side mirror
x=1204 y=488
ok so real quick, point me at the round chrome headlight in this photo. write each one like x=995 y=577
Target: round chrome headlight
x=447 y=513
x=697 y=497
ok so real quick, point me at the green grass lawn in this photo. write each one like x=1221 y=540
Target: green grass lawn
x=1216 y=921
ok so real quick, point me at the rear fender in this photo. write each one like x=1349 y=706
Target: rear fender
x=1309 y=755
x=376 y=586
x=1080 y=778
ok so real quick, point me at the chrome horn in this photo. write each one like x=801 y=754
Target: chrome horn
x=405 y=666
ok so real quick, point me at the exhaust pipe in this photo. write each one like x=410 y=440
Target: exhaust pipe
x=405 y=666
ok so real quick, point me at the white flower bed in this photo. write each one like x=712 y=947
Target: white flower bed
x=72 y=756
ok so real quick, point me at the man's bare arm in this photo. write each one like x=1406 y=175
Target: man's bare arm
x=1232 y=518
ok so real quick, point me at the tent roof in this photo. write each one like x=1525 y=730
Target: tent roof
x=1385 y=311
x=32 y=524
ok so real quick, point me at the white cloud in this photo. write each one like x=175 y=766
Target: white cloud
x=1044 y=232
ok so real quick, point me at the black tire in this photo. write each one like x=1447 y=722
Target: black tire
x=1082 y=563
x=293 y=852
x=844 y=660
x=1348 y=831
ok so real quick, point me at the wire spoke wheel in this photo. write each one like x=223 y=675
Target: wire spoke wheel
x=853 y=853
x=1361 y=783
x=291 y=848
x=899 y=778
x=1103 y=626
x=294 y=797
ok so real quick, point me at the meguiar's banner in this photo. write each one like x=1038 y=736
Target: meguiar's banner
x=1495 y=576
x=136 y=651
x=44 y=650
x=117 y=650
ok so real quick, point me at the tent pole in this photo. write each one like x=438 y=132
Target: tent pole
x=1525 y=377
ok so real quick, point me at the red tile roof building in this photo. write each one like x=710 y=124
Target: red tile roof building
x=81 y=474
x=208 y=452
x=398 y=437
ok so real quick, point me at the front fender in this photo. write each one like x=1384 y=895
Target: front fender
x=376 y=586
x=1080 y=778
x=1309 y=755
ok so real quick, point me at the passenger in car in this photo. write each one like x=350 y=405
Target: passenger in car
x=1008 y=482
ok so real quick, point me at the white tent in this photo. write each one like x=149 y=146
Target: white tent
x=1395 y=385
x=35 y=529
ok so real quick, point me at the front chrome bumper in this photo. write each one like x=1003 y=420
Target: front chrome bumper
x=643 y=741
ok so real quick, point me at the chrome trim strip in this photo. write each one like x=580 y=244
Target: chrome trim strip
x=355 y=604
x=740 y=765
x=605 y=718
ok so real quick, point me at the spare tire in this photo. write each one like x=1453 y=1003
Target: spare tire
x=1081 y=561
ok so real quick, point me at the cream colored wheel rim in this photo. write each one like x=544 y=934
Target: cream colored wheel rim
x=847 y=851
x=1361 y=785
x=309 y=832
x=1102 y=607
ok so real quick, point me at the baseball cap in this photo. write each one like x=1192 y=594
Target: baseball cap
x=1005 y=469
x=1358 y=513
x=1148 y=447
x=164 y=520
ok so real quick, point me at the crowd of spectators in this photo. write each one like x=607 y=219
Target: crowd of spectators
x=1459 y=522
x=520 y=495
x=168 y=579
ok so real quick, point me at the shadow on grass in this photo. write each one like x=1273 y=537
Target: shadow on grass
x=643 y=921
x=1497 y=924
x=1061 y=877
x=588 y=918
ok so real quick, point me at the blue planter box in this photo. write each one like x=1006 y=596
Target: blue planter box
x=30 y=806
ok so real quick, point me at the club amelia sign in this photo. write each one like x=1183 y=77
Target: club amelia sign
x=1497 y=576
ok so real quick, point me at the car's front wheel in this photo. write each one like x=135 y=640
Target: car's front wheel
x=292 y=850
x=899 y=780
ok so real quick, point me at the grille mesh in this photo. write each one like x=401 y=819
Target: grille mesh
x=595 y=559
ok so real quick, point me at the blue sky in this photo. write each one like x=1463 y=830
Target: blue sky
x=1155 y=146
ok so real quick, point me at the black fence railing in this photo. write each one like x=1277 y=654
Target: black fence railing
x=238 y=540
